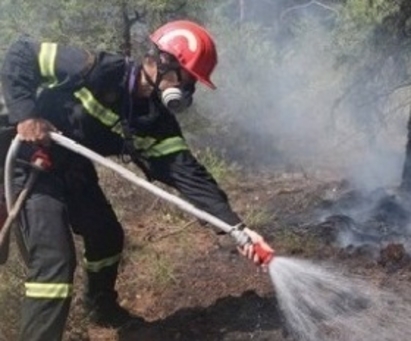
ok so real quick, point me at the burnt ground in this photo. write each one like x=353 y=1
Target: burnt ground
x=189 y=283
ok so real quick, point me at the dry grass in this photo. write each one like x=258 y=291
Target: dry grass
x=296 y=244
x=257 y=216
x=11 y=292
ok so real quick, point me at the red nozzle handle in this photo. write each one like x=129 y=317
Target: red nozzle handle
x=264 y=255
x=41 y=159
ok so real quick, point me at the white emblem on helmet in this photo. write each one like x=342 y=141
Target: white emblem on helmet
x=192 y=41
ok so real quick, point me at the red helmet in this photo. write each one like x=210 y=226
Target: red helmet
x=191 y=44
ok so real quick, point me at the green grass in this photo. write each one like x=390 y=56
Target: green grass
x=215 y=163
x=257 y=217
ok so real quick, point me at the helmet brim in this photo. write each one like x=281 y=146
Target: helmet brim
x=206 y=82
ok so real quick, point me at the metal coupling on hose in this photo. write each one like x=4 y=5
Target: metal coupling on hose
x=240 y=236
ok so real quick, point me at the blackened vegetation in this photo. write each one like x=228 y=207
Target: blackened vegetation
x=377 y=224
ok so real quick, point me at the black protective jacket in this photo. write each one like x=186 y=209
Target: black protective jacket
x=86 y=95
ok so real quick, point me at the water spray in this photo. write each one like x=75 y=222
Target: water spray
x=241 y=238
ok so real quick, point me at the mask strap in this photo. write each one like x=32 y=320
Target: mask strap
x=150 y=81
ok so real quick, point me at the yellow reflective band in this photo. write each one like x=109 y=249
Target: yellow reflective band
x=95 y=109
x=140 y=143
x=151 y=147
x=47 y=60
x=118 y=129
x=166 y=146
x=143 y=143
x=48 y=290
x=101 y=264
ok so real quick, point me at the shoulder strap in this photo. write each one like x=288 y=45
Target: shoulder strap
x=125 y=117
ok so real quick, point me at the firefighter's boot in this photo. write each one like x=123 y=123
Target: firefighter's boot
x=101 y=301
x=108 y=313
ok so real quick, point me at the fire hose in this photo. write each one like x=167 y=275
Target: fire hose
x=240 y=237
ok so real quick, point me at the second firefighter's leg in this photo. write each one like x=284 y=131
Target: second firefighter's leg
x=51 y=263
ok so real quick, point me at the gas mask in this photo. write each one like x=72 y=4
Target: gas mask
x=177 y=99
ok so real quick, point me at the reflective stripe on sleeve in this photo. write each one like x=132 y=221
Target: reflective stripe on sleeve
x=47 y=61
x=48 y=290
x=101 y=264
x=95 y=109
x=167 y=146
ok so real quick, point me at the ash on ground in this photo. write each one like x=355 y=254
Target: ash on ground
x=377 y=223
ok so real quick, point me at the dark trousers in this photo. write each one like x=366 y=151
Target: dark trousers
x=65 y=201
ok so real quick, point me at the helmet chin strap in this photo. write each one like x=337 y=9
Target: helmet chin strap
x=153 y=83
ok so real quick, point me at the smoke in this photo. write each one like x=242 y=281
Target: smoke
x=279 y=91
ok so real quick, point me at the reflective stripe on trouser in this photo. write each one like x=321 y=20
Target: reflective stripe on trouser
x=99 y=265
x=101 y=276
x=48 y=290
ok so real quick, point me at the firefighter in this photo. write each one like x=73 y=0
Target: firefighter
x=114 y=106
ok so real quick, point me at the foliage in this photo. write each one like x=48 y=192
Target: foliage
x=219 y=168
x=96 y=25
x=71 y=21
